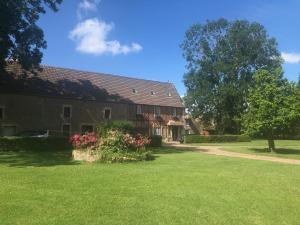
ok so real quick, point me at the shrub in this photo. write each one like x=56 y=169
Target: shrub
x=121 y=125
x=87 y=140
x=194 y=138
x=116 y=146
x=34 y=144
x=117 y=141
x=155 y=141
x=113 y=141
x=112 y=146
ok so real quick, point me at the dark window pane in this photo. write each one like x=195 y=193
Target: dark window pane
x=157 y=110
x=107 y=114
x=174 y=112
x=1 y=113
x=67 y=112
x=66 y=130
x=138 y=109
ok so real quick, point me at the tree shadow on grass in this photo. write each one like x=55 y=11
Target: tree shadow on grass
x=283 y=151
x=36 y=159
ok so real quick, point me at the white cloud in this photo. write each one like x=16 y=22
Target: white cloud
x=86 y=6
x=91 y=37
x=291 y=58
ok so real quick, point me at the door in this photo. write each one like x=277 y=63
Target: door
x=175 y=133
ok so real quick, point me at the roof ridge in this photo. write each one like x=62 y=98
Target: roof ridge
x=105 y=74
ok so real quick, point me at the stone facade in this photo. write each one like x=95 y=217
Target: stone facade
x=66 y=101
x=31 y=113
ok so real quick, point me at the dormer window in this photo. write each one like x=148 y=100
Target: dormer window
x=169 y=94
x=134 y=91
x=152 y=92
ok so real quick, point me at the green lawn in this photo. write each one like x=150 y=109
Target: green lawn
x=178 y=187
x=285 y=148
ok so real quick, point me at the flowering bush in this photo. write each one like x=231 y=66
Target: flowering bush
x=113 y=146
x=116 y=146
x=118 y=141
x=137 y=143
x=87 y=140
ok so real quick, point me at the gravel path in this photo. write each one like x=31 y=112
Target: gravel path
x=215 y=150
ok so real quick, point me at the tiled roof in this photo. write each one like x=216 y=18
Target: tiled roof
x=69 y=83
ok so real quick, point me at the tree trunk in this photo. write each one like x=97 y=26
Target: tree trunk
x=271 y=143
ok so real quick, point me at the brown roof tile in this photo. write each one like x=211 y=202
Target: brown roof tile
x=69 y=83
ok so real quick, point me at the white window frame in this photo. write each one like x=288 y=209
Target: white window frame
x=63 y=111
x=62 y=128
x=157 y=129
x=3 y=112
x=139 y=110
x=110 y=111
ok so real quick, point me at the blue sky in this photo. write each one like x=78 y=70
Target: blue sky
x=140 y=38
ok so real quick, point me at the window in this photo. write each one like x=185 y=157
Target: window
x=156 y=111
x=156 y=131
x=9 y=130
x=152 y=92
x=107 y=114
x=66 y=130
x=67 y=111
x=174 y=112
x=138 y=109
x=134 y=91
x=1 y=113
x=169 y=94
x=86 y=128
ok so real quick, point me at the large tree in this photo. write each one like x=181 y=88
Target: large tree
x=20 y=38
x=222 y=57
x=273 y=106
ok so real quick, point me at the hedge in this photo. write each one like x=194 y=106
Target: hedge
x=156 y=141
x=34 y=144
x=194 y=138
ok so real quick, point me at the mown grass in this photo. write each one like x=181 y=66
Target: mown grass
x=284 y=148
x=178 y=187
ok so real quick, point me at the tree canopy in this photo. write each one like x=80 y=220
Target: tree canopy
x=222 y=57
x=20 y=38
x=273 y=106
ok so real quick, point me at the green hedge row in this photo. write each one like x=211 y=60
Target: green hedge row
x=195 y=138
x=156 y=141
x=34 y=144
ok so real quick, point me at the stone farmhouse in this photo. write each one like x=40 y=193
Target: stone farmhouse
x=67 y=101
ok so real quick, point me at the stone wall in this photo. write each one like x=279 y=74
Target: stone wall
x=46 y=113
